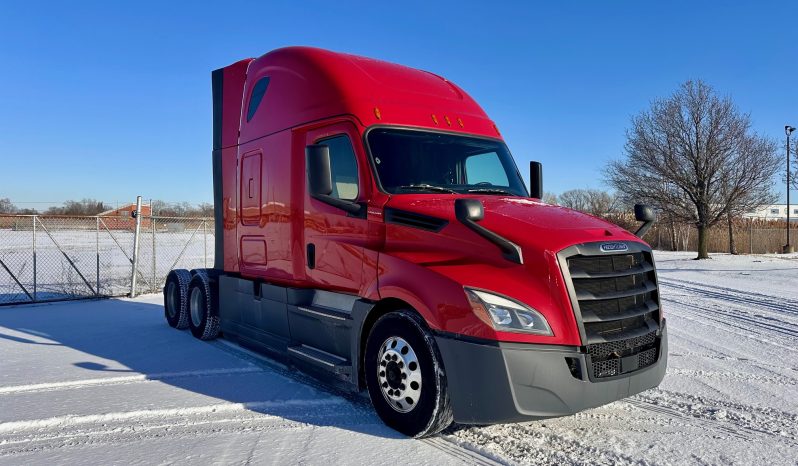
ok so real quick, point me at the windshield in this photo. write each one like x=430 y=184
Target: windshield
x=410 y=161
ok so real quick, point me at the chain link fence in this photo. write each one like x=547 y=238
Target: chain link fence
x=53 y=258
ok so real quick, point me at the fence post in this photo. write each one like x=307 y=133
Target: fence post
x=751 y=236
x=97 y=238
x=136 y=233
x=154 y=267
x=35 y=283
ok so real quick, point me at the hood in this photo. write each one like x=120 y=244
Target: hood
x=529 y=223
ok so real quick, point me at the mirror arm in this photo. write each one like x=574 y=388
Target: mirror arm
x=646 y=215
x=469 y=212
x=643 y=229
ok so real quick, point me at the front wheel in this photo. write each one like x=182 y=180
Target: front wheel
x=404 y=375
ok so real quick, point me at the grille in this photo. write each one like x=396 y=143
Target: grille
x=616 y=294
x=613 y=358
x=621 y=347
x=616 y=297
x=647 y=357
x=608 y=368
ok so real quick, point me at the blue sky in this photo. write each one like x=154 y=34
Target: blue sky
x=112 y=99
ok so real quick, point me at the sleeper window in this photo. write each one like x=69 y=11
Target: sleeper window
x=343 y=167
x=257 y=96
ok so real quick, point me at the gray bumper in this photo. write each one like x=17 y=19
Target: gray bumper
x=513 y=382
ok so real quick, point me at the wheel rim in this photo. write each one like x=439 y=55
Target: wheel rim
x=171 y=298
x=196 y=307
x=399 y=374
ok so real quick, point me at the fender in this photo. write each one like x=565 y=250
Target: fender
x=441 y=301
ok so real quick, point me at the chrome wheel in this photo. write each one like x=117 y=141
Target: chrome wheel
x=196 y=307
x=399 y=374
x=171 y=299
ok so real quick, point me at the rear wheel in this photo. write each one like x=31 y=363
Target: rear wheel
x=405 y=377
x=204 y=321
x=175 y=298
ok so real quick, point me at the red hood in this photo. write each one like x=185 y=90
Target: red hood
x=529 y=223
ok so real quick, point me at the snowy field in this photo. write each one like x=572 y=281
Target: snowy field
x=104 y=382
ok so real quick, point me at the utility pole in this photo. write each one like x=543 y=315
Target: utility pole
x=787 y=247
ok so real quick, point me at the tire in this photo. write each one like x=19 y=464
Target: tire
x=202 y=309
x=175 y=298
x=420 y=407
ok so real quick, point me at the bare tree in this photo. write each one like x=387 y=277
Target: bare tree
x=592 y=201
x=574 y=199
x=550 y=198
x=82 y=207
x=6 y=206
x=694 y=156
x=181 y=209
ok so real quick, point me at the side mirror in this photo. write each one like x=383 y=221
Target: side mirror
x=317 y=157
x=535 y=180
x=469 y=209
x=645 y=214
x=319 y=171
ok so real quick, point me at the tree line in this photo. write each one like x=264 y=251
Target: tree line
x=94 y=207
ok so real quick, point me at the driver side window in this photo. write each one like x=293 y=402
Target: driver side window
x=485 y=169
x=343 y=167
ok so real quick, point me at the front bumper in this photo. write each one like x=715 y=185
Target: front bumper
x=514 y=382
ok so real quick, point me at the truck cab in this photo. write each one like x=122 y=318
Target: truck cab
x=373 y=229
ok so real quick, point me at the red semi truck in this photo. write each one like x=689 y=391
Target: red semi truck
x=372 y=229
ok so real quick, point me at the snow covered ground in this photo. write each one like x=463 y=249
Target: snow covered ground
x=108 y=382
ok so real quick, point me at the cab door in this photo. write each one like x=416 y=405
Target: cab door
x=335 y=239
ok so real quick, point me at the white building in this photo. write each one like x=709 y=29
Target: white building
x=775 y=212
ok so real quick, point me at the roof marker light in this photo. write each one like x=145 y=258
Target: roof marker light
x=434 y=119
x=377 y=113
x=448 y=121
x=460 y=122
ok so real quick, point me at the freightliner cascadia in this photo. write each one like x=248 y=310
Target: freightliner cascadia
x=373 y=230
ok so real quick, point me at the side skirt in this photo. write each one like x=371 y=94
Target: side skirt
x=317 y=331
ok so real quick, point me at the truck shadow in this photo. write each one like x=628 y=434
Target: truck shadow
x=113 y=338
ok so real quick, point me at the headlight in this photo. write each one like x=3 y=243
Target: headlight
x=506 y=314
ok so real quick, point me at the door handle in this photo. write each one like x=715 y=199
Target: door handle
x=249 y=189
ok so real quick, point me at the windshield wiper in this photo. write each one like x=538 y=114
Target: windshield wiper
x=492 y=191
x=428 y=187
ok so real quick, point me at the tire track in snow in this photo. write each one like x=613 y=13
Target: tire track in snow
x=107 y=381
x=441 y=442
x=176 y=429
x=775 y=379
x=535 y=444
x=60 y=422
x=774 y=303
x=736 y=419
x=728 y=324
